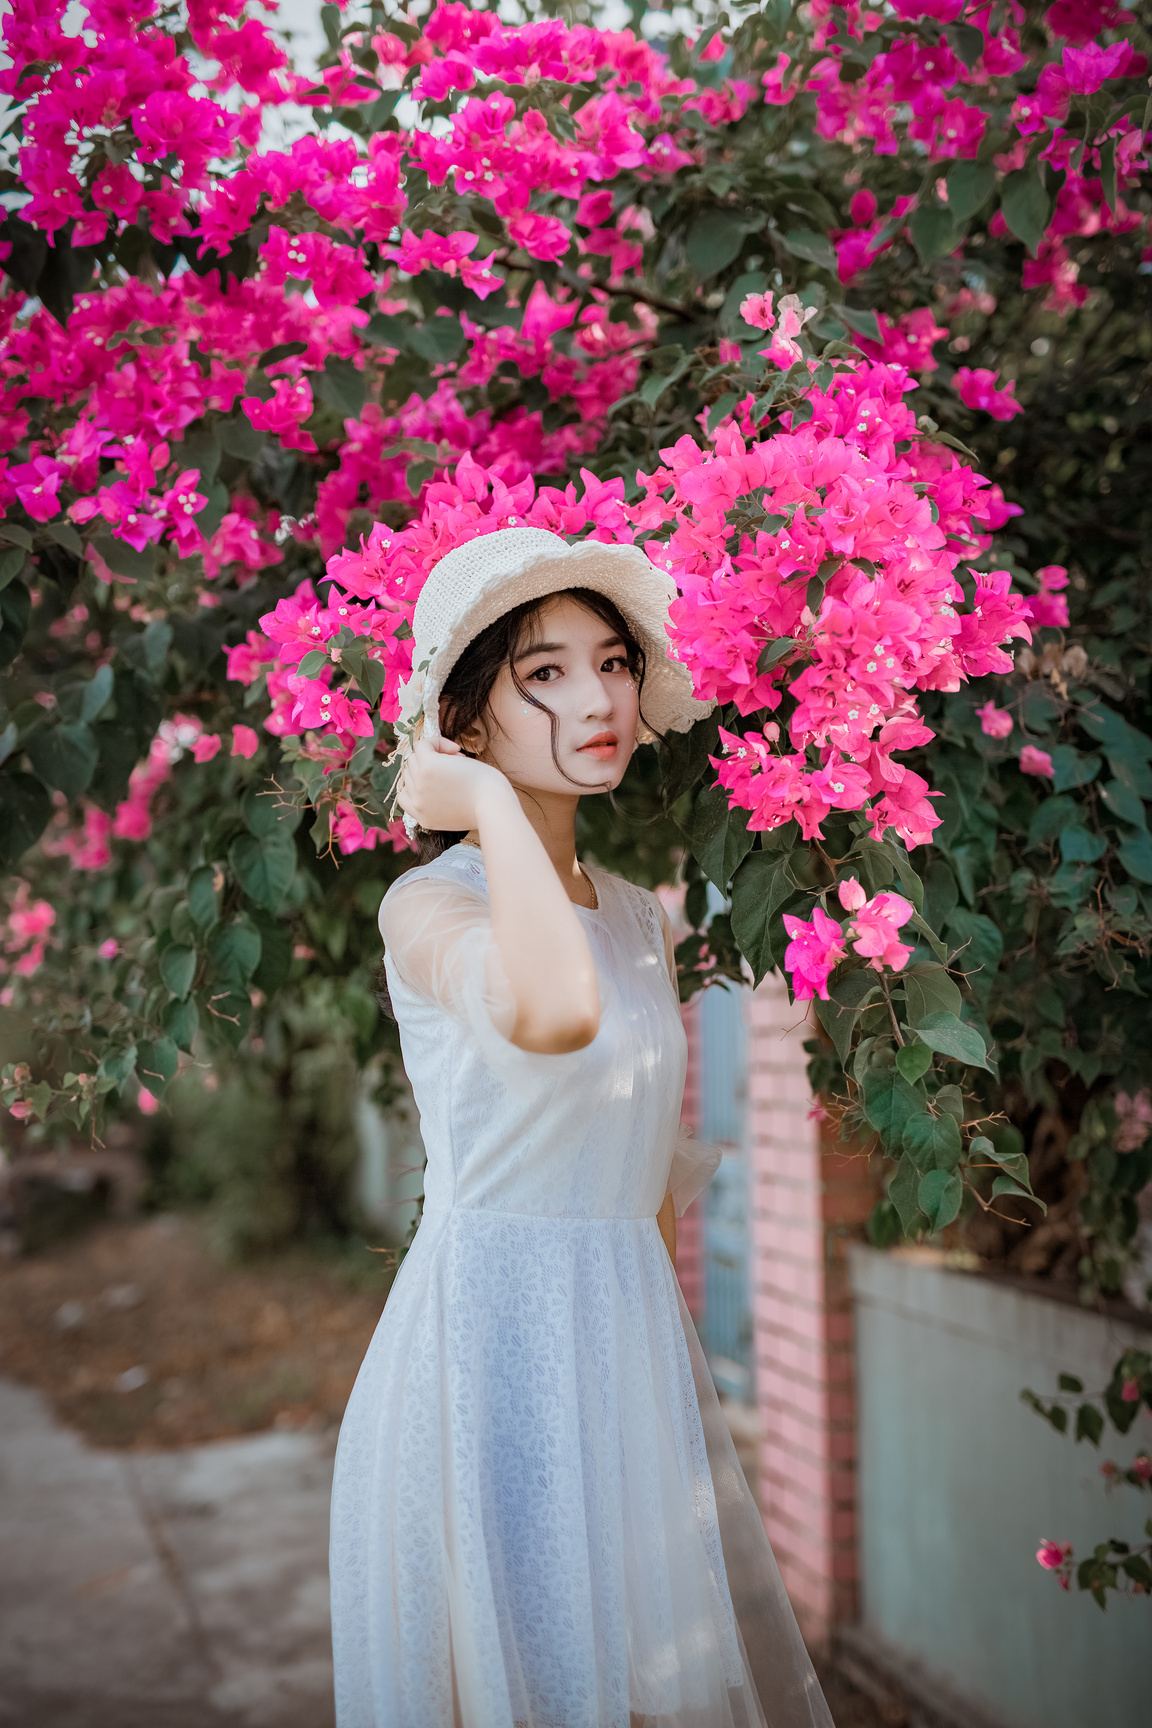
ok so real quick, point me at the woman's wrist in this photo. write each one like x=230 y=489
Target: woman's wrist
x=496 y=803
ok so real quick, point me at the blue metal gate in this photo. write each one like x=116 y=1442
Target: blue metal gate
x=727 y=1330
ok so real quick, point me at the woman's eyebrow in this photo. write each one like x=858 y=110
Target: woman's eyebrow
x=562 y=647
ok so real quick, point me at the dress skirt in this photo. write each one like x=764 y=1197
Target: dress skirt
x=538 y=1516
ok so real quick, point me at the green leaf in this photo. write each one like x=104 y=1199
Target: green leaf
x=847 y=998
x=928 y=991
x=229 y=1015
x=1069 y=1383
x=96 y=695
x=1071 y=768
x=1125 y=803
x=25 y=808
x=949 y=1036
x=1089 y=1423
x=65 y=535
x=313 y=663
x=884 y=1228
x=1026 y=206
x=1108 y=172
x=438 y=340
x=15 y=613
x=760 y=886
x=932 y=1142
x=722 y=406
x=12 y=563
x=1136 y=855
x=201 y=894
x=182 y=1022
x=157 y=1060
x=888 y=1103
x=178 y=968
x=65 y=757
x=861 y=319
x=981 y=944
x=272 y=357
x=275 y=953
x=903 y=1191
x=237 y=435
x=812 y=247
x=714 y=239
x=341 y=385
x=970 y=185
x=14 y=535
x=235 y=951
x=266 y=811
x=939 y=1196
x=264 y=867
x=951 y=1098
x=1079 y=846
x=417 y=473
x=914 y=1061
x=933 y=232
x=117 y=1065
x=720 y=837
x=124 y=560
x=968 y=43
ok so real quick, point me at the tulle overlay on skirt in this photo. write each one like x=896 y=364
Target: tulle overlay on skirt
x=539 y=1519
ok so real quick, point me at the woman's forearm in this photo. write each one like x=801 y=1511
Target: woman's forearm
x=542 y=946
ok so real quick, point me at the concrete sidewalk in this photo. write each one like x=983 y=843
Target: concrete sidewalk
x=161 y=1589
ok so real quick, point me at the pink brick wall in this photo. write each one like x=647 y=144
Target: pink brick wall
x=690 y=1228
x=807 y=1199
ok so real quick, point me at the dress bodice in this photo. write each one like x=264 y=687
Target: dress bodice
x=587 y=1134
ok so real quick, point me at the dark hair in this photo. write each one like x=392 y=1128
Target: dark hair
x=469 y=685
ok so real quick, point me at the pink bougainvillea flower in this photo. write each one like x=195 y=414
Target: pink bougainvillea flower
x=206 y=746
x=1034 y=761
x=1142 y=1468
x=245 y=743
x=1052 y=1555
x=813 y=953
x=1086 y=69
x=1133 y=1118
x=851 y=894
x=1049 y=606
x=756 y=309
x=873 y=931
x=994 y=722
x=109 y=949
x=1130 y=1391
x=977 y=388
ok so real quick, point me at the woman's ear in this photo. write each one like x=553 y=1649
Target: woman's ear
x=473 y=742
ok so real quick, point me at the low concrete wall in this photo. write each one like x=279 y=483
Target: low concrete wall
x=959 y=1481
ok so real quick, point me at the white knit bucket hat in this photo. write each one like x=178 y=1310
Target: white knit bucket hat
x=477 y=583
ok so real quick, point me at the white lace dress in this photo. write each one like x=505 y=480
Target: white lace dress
x=538 y=1517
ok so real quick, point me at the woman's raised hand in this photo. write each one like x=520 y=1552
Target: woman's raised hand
x=442 y=788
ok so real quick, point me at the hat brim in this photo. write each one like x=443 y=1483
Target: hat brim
x=477 y=583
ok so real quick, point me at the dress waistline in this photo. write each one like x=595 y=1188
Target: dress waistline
x=457 y=1209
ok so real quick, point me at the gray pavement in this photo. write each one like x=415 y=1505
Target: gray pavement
x=161 y=1589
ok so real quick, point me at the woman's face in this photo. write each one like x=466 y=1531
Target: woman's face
x=575 y=664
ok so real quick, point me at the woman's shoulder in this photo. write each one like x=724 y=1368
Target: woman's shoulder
x=641 y=903
x=460 y=868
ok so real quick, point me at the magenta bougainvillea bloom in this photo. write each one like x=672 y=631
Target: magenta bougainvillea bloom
x=994 y=722
x=812 y=954
x=977 y=388
x=874 y=930
x=1034 y=761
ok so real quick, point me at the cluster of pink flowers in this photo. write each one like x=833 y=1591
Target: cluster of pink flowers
x=886 y=517
x=25 y=932
x=920 y=88
x=819 y=944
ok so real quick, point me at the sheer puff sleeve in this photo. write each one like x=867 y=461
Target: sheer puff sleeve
x=438 y=943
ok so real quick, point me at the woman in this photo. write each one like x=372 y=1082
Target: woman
x=538 y=1516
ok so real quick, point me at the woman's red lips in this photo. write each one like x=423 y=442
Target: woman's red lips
x=603 y=744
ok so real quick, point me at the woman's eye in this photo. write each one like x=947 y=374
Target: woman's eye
x=617 y=663
x=542 y=674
